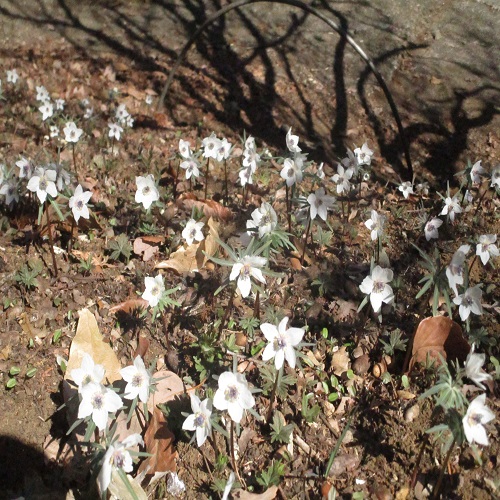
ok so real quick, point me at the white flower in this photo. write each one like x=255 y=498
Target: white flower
x=129 y=122
x=121 y=113
x=97 y=402
x=319 y=203
x=342 y=178
x=211 y=146
x=224 y=150
x=138 y=380
x=78 y=203
x=451 y=207
x=115 y=131
x=470 y=301
x=43 y=182
x=299 y=159
x=477 y=415
x=320 y=173
x=292 y=142
x=281 y=342
x=71 y=132
x=54 y=131
x=88 y=113
x=154 y=290
x=406 y=188
x=264 y=218
x=191 y=167
x=486 y=247
x=117 y=457
x=175 y=486
x=12 y=76
x=468 y=196
x=352 y=162
x=376 y=225
x=250 y=143
x=454 y=272
x=46 y=109
x=291 y=172
x=192 y=231
x=233 y=395
x=244 y=269
x=476 y=171
x=363 y=154
x=10 y=191
x=147 y=192
x=376 y=285
x=474 y=368
x=41 y=94
x=25 y=168
x=149 y=99
x=245 y=176
x=229 y=486
x=431 y=228
x=60 y=104
x=185 y=149
x=495 y=177
x=199 y=420
x=88 y=372
x=251 y=159
x=423 y=188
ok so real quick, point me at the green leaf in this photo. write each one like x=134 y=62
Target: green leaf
x=31 y=373
x=15 y=370
x=11 y=383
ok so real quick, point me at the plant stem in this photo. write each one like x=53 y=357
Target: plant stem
x=228 y=310
x=177 y=178
x=226 y=195
x=256 y=309
x=74 y=160
x=206 y=177
x=279 y=374
x=305 y=240
x=51 y=241
x=413 y=481
x=435 y=491
x=470 y=269
x=70 y=246
x=233 y=456
x=288 y=214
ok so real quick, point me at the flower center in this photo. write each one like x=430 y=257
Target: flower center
x=155 y=291
x=146 y=190
x=79 y=204
x=378 y=286
x=137 y=380
x=118 y=459
x=291 y=172
x=42 y=185
x=231 y=393
x=200 y=419
x=97 y=401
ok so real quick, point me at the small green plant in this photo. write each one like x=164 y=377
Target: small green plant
x=280 y=431
x=28 y=273
x=309 y=413
x=85 y=265
x=272 y=476
x=249 y=324
x=395 y=343
x=119 y=247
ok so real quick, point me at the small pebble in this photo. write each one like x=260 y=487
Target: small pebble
x=412 y=413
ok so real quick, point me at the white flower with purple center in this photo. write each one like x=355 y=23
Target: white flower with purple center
x=191 y=166
x=43 y=183
x=282 y=341
x=71 y=132
x=155 y=287
x=264 y=219
x=363 y=155
x=97 y=402
x=455 y=271
x=486 y=247
x=469 y=301
x=199 y=420
x=233 y=395
x=192 y=231
x=12 y=76
x=376 y=225
x=115 y=131
x=211 y=146
x=47 y=110
x=138 y=380
x=319 y=203
x=377 y=287
x=477 y=415
x=474 y=368
x=78 y=203
x=224 y=150
x=495 y=177
x=147 y=192
x=291 y=172
x=476 y=171
x=185 y=149
x=343 y=179
x=88 y=372
x=451 y=207
x=292 y=142
x=244 y=269
x=431 y=228
x=406 y=188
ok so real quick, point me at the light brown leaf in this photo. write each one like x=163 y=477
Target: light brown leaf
x=340 y=361
x=169 y=387
x=210 y=208
x=118 y=488
x=145 y=249
x=88 y=340
x=436 y=336
x=159 y=441
x=195 y=256
x=269 y=494
x=129 y=306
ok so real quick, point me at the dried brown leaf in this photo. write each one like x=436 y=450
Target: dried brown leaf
x=129 y=306
x=159 y=441
x=210 y=208
x=195 y=256
x=169 y=387
x=269 y=494
x=88 y=340
x=437 y=336
x=340 y=361
x=145 y=249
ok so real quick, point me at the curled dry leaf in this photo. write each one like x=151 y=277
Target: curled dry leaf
x=159 y=442
x=129 y=306
x=195 y=256
x=88 y=340
x=210 y=208
x=269 y=494
x=146 y=248
x=340 y=361
x=437 y=336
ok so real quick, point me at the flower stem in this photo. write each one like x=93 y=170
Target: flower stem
x=277 y=381
x=228 y=310
x=176 y=178
x=74 y=160
x=435 y=491
x=288 y=214
x=226 y=195
x=470 y=269
x=233 y=456
x=206 y=177
x=51 y=241
x=256 y=309
x=70 y=246
x=305 y=241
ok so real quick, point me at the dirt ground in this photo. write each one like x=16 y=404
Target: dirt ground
x=261 y=69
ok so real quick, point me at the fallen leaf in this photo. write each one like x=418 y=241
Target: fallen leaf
x=119 y=489
x=210 y=208
x=269 y=494
x=159 y=442
x=88 y=340
x=145 y=249
x=195 y=256
x=168 y=387
x=437 y=336
x=344 y=310
x=340 y=361
x=129 y=306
